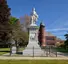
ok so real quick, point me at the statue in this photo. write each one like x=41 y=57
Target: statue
x=34 y=16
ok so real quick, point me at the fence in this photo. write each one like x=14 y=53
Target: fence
x=50 y=51
x=38 y=52
x=34 y=52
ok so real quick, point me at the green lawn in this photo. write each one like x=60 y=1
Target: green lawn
x=8 y=49
x=33 y=61
x=4 y=50
x=1 y=53
x=21 y=49
x=62 y=50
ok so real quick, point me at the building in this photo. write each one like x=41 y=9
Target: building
x=47 y=38
x=50 y=39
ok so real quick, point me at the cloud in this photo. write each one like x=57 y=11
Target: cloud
x=59 y=32
x=58 y=29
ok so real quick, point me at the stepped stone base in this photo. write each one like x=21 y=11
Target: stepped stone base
x=33 y=49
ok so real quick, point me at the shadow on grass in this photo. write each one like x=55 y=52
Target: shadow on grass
x=4 y=51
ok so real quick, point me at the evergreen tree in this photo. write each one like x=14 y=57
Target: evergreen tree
x=66 y=42
x=4 y=12
x=4 y=20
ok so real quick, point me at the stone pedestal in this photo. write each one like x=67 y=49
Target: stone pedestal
x=33 y=48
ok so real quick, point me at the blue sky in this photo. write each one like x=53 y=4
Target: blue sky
x=53 y=13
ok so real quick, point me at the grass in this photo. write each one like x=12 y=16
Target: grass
x=4 y=50
x=21 y=49
x=62 y=50
x=33 y=61
x=8 y=49
x=1 y=53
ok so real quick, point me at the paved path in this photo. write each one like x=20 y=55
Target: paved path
x=33 y=58
x=13 y=57
x=51 y=55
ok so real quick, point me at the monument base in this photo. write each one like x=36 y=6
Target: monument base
x=33 y=49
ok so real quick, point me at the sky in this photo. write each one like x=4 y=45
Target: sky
x=53 y=13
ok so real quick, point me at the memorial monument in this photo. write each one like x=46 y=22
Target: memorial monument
x=33 y=48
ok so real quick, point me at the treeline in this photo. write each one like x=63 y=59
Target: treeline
x=11 y=28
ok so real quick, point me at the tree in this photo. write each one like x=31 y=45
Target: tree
x=18 y=34
x=66 y=36
x=4 y=14
x=66 y=42
x=4 y=20
x=13 y=20
x=25 y=22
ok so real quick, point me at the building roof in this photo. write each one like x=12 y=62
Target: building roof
x=58 y=38
x=49 y=34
